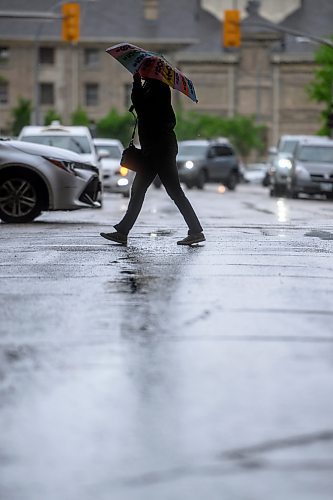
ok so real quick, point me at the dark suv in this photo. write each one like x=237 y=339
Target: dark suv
x=203 y=161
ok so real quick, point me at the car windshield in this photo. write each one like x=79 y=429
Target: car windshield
x=287 y=146
x=114 y=151
x=78 y=143
x=316 y=154
x=192 y=150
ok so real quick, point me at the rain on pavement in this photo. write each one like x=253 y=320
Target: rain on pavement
x=155 y=371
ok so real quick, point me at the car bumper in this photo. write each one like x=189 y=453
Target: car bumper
x=118 y=184
x=187 y=175
x=72 y=192
x=310 y=187
x=279 y=179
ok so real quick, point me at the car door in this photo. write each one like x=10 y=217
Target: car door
x=221 y=162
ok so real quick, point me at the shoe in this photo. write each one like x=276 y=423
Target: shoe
x=116 y=237
x=192 y=239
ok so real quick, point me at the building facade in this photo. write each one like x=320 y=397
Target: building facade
x=266 y=77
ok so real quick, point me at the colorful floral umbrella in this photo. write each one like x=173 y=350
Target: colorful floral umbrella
x=152 y=65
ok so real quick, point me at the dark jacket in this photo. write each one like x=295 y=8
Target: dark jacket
x=156 y=118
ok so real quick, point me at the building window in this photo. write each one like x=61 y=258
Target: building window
x=150 y=10
x=4 y=55
x=91 y=94
x=91 y=58
x=46 y=55
x=3 y=92
x=46 y=92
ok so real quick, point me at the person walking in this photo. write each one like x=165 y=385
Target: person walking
x=156 y=122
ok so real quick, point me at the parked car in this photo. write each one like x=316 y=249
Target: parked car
x=77 y=139
x=312 y=168
x=35 y=177
x=116 y=179
x=255 y=173
x=201 y=161
x=281 y=162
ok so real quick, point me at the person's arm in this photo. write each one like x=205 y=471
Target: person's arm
x=137 y=92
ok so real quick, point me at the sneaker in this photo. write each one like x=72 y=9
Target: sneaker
x=116 y=237
x=192 y=239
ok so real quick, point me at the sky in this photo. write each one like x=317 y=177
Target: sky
x=275 y=10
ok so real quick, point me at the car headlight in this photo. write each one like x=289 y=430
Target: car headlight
x=189 y=164
x=68 y=166
x=122 y=182
x=284 y=163
x=123 y=171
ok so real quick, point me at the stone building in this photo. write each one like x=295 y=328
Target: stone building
x=266 y=77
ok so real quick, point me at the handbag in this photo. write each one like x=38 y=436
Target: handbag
x=132 y=157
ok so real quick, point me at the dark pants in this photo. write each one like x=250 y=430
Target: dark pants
x=165 y=166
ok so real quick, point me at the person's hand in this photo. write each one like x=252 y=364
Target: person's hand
x=137 y=77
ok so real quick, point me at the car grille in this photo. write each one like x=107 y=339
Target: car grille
x=321 y=178
x=90 y=194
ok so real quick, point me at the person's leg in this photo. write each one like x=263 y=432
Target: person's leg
x=168 y=174
x=139 y=188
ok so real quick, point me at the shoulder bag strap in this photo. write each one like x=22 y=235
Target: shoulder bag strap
x=131 y=110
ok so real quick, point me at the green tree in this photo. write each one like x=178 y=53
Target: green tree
x=321 y=88
x=80 y=117
x=21 y=115
x=117 y=126
x=50 y=116
x=242 y=131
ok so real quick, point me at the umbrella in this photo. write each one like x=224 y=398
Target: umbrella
x=152 y=65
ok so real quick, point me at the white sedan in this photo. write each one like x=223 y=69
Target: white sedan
x=116 y=179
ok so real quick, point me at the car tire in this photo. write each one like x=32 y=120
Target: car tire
x=21 y=197
x=232 y=181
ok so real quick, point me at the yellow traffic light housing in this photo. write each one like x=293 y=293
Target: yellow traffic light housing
x=71 y=22
x=231 y=28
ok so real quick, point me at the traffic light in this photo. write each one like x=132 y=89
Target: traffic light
x=71 y=22
x=231 y=28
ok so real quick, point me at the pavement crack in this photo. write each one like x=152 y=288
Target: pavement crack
x=278 y=444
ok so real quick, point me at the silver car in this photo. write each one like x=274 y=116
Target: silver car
x=282 y=160
x=312 y=169
x=34 y=178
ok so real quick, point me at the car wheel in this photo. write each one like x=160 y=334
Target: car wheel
x=200 y=180
x=232 y=181
x=20 y=198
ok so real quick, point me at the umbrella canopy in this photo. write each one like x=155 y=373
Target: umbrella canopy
x=152 y=65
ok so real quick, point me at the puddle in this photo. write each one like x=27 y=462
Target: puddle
x=323 y=235
x=161 y=232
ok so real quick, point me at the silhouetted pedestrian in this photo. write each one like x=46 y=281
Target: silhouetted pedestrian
x=156 y=122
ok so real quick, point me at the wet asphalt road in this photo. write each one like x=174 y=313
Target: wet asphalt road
x=157 y=372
